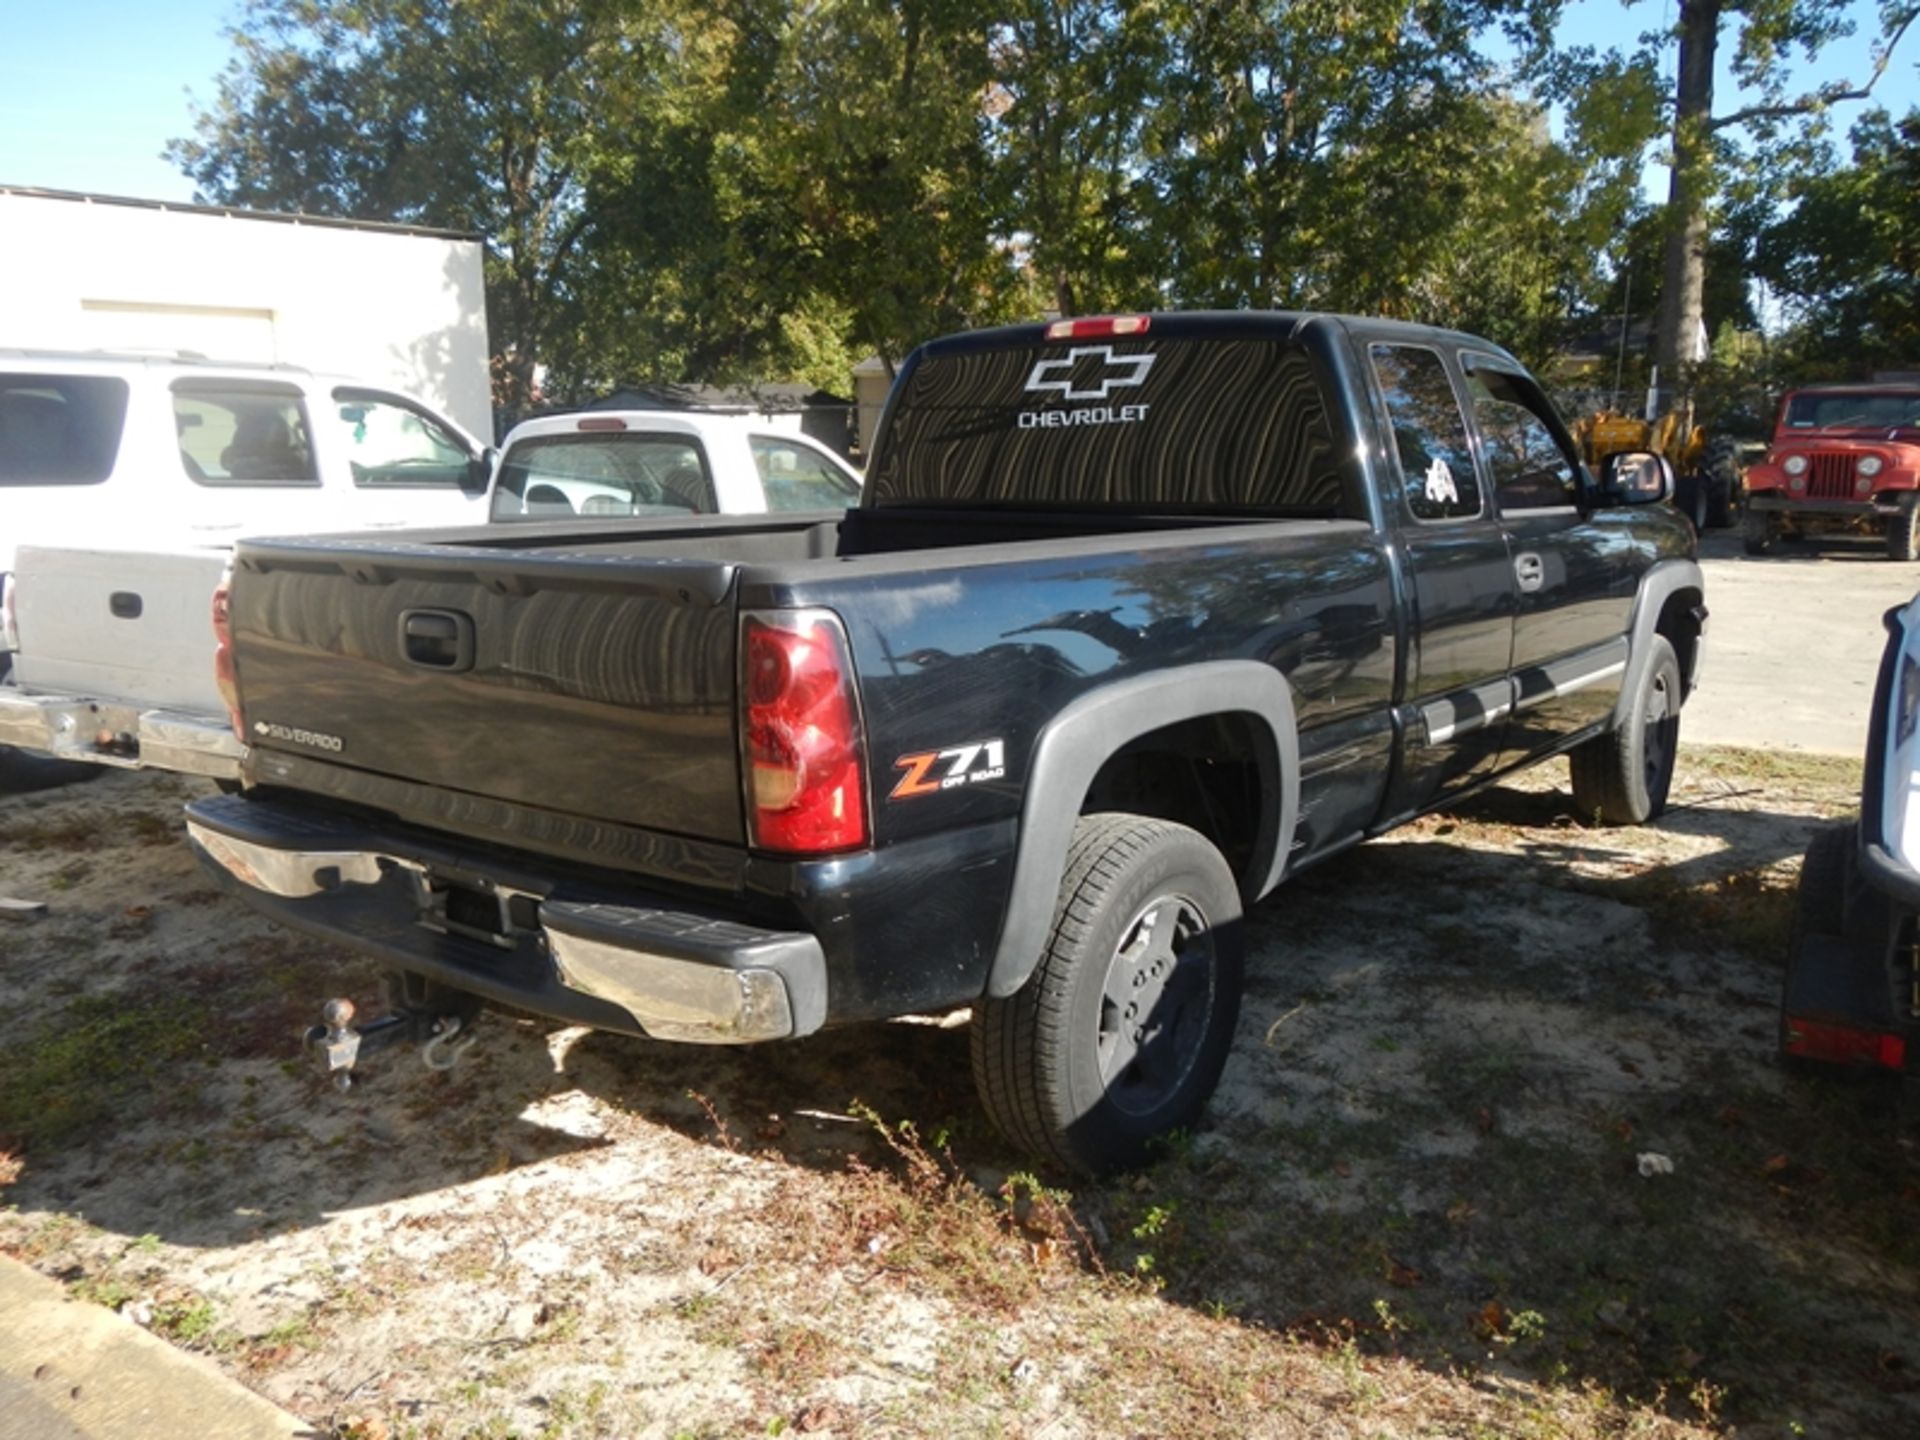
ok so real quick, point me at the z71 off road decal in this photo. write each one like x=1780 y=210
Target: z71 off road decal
x=930 y=771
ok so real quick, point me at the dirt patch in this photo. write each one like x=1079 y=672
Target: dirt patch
x=1417 y=1207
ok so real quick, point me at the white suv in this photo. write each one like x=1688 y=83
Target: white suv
x=123 y=450
x=124 y=481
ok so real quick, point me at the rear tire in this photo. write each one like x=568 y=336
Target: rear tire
x=1690 y=495
x=1623 y=776
x=1757 y=533
x=1819 y=908
x=1722 y=472
x=1119 y=1035
x=1903 y=529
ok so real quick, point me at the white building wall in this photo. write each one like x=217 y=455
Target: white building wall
x=393 y=308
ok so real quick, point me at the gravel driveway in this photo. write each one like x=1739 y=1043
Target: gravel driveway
x=1794 y=643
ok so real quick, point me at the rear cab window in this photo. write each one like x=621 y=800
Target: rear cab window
x=60 y=429
x=391 y=444
x=794 y=476
x=243 y=432
x=1183 y=422
x=603 y=474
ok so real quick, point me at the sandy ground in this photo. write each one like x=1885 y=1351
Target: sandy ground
x=1419 y=1205
x=1795 y=642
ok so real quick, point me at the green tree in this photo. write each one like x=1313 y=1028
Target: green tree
x=1847 y=258
x=1702 y=142
x=468 y=114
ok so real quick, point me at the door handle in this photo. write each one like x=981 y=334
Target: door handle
x=1529 y=571
x=437 y=639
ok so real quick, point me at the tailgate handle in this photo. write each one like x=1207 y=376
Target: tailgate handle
x=437 y=639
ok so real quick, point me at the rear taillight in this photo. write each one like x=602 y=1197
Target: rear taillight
x=1844 y=1044
x=9 y=618
x=1099 y=327
x=800 y=722
x=223 y=673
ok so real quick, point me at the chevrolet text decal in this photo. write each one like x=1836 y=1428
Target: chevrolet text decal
x=958 y=765
x=1056 y=377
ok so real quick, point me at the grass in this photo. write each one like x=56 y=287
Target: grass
x=79 y=1066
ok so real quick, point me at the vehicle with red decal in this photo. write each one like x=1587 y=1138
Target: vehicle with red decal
x=1136 y=617
x=1845 y=459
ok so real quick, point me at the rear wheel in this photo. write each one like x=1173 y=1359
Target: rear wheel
x=1903 y=529
x=1119 y=1035
x=1757 y=532
x=1623 y=776
x=1722 y=473
x=1690 y=495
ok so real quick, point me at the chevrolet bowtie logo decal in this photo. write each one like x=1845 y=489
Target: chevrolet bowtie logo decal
x=1122 y=372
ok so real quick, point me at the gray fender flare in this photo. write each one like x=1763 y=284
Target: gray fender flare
x=1079 y=740
x=1657 y=586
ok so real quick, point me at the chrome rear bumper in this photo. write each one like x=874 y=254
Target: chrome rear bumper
x=104 y=732
x=672 y=974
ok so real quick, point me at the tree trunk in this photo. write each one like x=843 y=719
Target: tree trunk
x=1683 y=288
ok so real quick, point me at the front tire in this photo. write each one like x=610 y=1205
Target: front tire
x=1757 y=532
x=1119 y=1035
x=1903 y=529
x=1623 y=776
x=1722 y=479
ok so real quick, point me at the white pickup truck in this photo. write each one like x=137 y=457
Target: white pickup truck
x=113 y=644
x=125 y=479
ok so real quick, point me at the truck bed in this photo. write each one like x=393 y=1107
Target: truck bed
x=593 y=675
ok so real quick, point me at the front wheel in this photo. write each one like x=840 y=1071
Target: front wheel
x=1623 y=776
x=1757 y=532
x=1119 y=1035
x=1903 y=529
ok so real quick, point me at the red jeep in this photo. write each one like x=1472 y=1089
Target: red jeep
x=1844 y=459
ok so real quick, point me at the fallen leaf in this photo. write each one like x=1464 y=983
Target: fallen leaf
x=1775 y=1165
x=1490 y=1320
x=816 y=1417
x=1624 y=1131
x=1402 y=1274
x=1043 y=1252
x=1460 y=1212
x=1483 y=1121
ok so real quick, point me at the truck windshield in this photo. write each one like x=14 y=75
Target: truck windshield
x=1174 y=424
x=1854 y=410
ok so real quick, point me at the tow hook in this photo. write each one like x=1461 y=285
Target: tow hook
x=451 y=1039
x=340 y=1043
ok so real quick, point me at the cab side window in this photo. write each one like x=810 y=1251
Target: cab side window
x=794 y=477
x=243 y=433
x=1528 y=468
x=389 y=444
x=1429 y=433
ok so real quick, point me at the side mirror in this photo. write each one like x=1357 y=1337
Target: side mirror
x=480 y=472
x=1635 y=477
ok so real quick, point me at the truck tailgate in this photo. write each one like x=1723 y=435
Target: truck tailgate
x=592 y=685
x=119 y=625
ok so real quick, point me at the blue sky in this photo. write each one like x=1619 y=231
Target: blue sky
x=91 y=90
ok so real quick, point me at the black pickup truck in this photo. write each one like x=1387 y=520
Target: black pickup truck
x=1137 y=616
